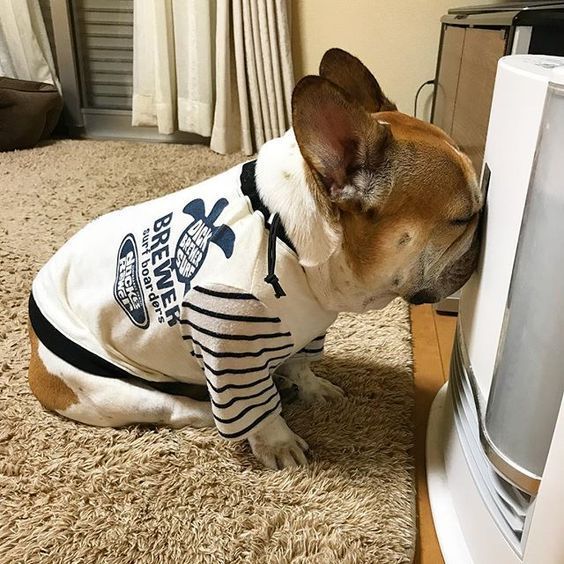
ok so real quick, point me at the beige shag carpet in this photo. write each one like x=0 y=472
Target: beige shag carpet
x=75 y=494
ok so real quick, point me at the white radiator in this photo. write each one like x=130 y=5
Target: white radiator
x=496 y=438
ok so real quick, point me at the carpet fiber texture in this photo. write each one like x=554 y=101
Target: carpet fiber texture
x=76 y=494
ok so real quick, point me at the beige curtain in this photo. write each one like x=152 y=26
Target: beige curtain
x=254 y=72
x=172 y=65
x=24 y=47
x=243 y=99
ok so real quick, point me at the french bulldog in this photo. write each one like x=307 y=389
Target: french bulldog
x=193 y=309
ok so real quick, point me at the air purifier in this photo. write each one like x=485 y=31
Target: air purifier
x=495 y=438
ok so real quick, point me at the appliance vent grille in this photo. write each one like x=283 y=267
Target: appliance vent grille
x=507 y=504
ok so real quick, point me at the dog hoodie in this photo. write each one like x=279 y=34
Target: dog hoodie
x=201 y=286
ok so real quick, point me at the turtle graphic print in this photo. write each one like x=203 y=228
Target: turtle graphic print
x=150 y=272
x=194 y=242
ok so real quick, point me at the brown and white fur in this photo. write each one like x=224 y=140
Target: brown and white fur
x=378 y=205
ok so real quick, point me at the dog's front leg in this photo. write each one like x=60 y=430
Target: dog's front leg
x=277 y=446
x=311 y=388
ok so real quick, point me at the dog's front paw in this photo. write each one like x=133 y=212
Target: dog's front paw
x=314 y=388
x=311 y=388
x=276 y=446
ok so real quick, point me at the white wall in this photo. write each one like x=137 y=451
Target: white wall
x=396 y=39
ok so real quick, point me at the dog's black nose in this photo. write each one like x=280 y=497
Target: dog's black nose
x=423 y=297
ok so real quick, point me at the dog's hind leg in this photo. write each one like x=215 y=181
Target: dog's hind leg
x=107 y=402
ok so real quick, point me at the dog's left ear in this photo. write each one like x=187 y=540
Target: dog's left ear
x=348 y=72
x=338 y=138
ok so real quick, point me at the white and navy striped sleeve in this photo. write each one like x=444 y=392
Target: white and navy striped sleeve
x=313 y=350
x=238 y=344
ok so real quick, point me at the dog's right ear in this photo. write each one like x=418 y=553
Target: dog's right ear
x=355 y=79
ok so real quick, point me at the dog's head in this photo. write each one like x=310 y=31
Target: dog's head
x=405 y=198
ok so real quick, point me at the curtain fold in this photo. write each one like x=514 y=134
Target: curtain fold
x=263 y=70
x=229 y=78
x=172 y=65
x=25 y=52
x=227 y=123
x=193 y=37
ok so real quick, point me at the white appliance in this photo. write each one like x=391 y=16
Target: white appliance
x=495 y=440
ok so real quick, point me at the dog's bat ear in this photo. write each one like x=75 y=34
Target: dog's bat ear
x=355 y=79
x=336 y=137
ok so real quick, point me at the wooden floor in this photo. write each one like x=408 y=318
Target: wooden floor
x=433 y=336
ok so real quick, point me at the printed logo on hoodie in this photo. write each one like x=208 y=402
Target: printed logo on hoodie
x=127 y=286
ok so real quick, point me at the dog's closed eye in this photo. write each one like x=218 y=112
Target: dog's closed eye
x=462 y=220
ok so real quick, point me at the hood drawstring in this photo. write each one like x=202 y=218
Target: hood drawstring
x=275 y=229
x=271 y=277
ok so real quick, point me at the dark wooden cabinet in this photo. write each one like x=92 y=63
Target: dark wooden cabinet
x=472 y=42
x=465 y=82
x=482 y=50
x=447 y=76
